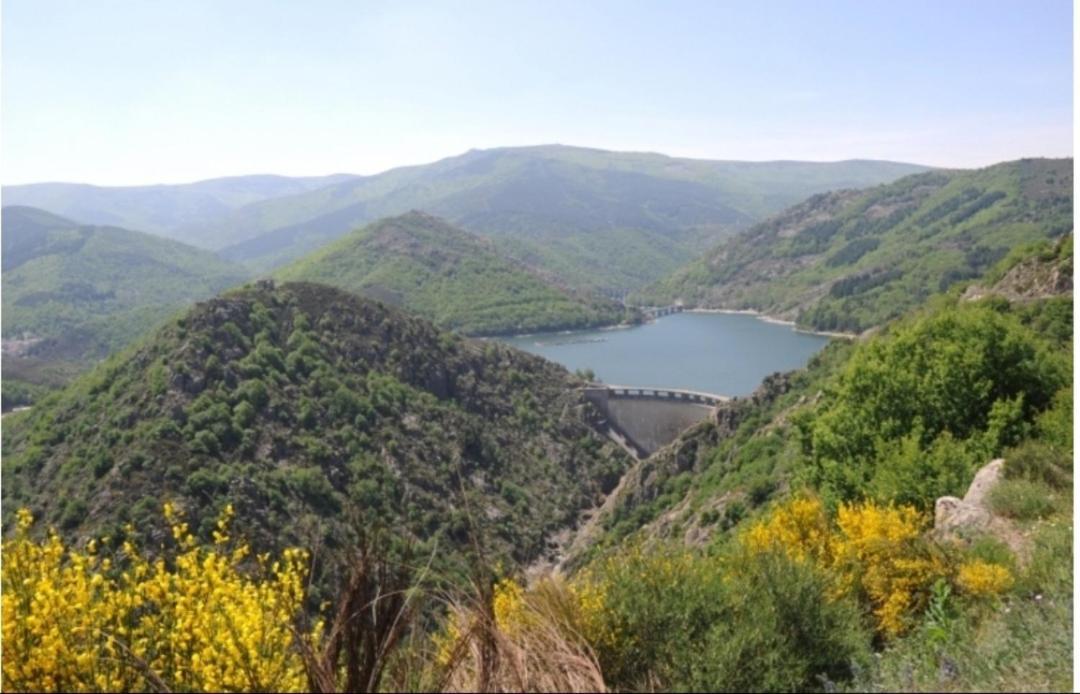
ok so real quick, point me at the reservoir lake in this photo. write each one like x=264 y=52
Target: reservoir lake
x=723 y=353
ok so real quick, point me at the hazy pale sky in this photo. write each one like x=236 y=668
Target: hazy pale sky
x=140 y=91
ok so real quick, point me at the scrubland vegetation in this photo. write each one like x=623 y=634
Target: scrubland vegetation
x=831 y=579
x=334 y=496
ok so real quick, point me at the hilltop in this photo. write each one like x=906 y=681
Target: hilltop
x=311 y=410
x=454 y=278
x=563 y=207
x=593 y=218
x=73 y=293
x=849 y=260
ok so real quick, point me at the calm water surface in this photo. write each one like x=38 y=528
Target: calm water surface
x=722 y=353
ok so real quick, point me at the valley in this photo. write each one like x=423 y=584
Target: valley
x=491 y=422
x=628 y=347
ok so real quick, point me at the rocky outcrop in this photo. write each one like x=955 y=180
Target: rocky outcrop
x=1042 y=276
x=972 y=513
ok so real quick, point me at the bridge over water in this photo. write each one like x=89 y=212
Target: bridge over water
x=648 y=419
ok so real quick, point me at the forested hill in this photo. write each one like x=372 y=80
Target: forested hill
x=575 y=203
x=452 y=277
x=609 y=220
x=315 y=412
x=852 y=259
x=78 y=292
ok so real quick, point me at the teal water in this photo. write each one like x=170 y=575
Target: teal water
x=722 y=353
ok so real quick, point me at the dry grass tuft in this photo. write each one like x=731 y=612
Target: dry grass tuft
x=536 y=648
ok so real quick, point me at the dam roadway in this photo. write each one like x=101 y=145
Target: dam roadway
x=647 y=419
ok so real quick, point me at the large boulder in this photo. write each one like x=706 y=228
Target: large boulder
x=972 y=513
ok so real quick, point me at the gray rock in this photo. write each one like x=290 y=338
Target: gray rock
x=985 y=480
x=952 y=515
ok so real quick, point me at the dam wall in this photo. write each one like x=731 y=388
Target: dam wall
x=648 y=418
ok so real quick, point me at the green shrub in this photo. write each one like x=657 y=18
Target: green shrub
x=311 y=485
x=74 y=512
x=969 y=373
x=1055 y=426
x=253 y=391
x=205 y=442
x=1022 y=499
x=672 y=619
x=205 y=483
x=1036 y=461
x=733 y=514
x=761 y=489
x=781 y=632
x=243 y=414
x=102 y=464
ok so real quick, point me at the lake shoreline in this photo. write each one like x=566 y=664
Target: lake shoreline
x=764 y=317
x=773 y=319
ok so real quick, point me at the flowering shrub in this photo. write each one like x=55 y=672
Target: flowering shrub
x=623 y=600
x=872 y=551
x=800 y=528
x=982 y=579
x=80 y=621
x=508 y=604
x=880 y=551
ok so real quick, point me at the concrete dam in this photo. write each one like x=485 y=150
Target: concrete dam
x=647 y=419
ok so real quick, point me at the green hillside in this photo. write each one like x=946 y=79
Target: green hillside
x=604 y=220
x=74 y=293
x=552 y=193
x=315 y=413
x=850 y=260
x=787 y=544
x=600 y=261
x=895 y=420
x=453 y=278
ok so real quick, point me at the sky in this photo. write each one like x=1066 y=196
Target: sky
x=117 y=92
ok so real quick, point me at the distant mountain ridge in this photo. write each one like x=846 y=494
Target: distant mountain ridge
x=456 y=279
x=550 y=191
x=163 y=209
x=540 y=198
